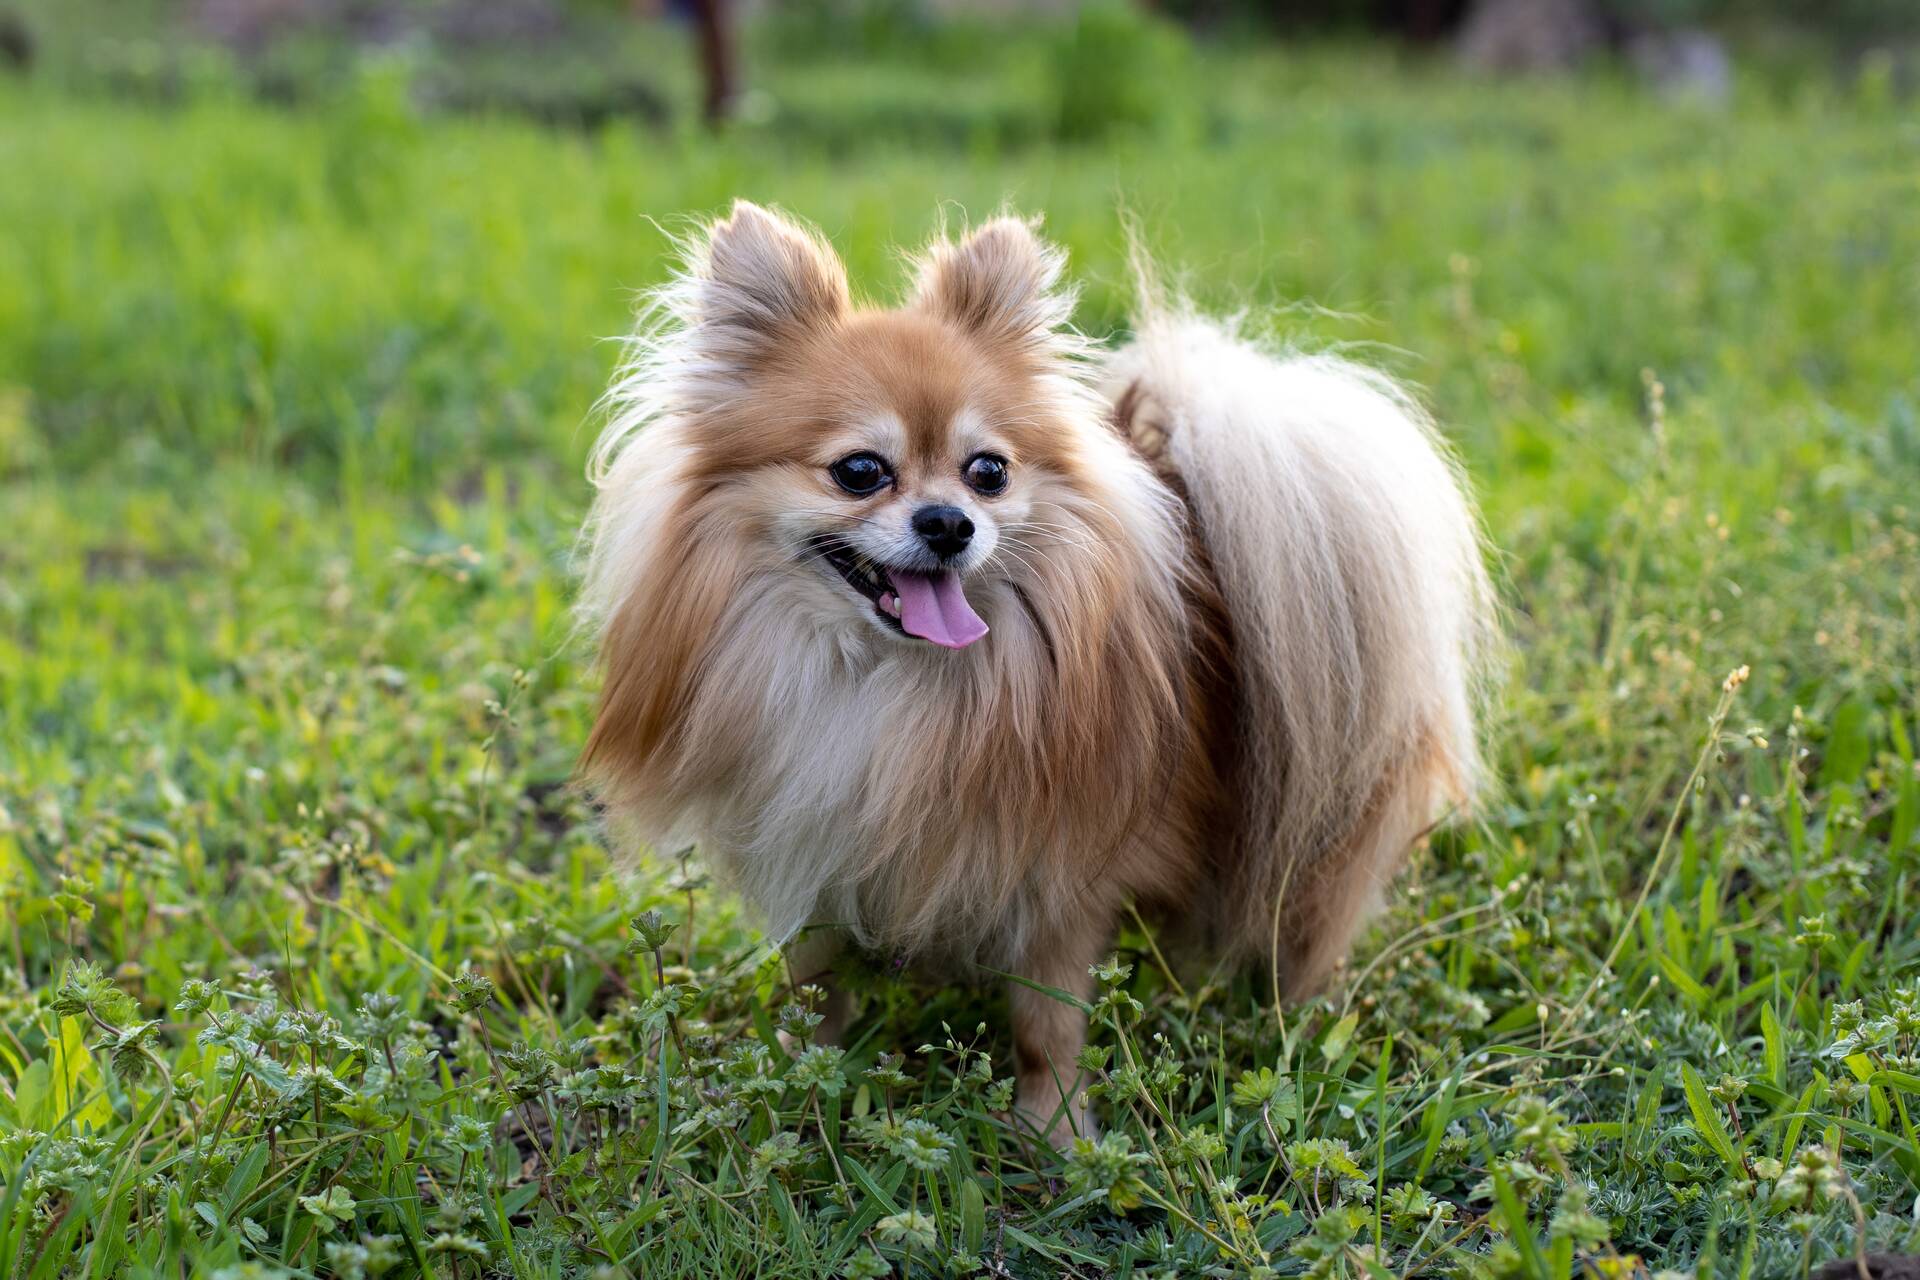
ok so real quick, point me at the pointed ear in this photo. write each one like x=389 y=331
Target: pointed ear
x=759 y=279
x=1001 y=282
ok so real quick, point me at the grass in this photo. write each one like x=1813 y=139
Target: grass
x=313 y=964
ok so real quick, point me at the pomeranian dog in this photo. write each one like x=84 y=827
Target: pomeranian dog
x=950 y=635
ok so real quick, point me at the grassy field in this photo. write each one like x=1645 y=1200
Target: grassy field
x=311 y=963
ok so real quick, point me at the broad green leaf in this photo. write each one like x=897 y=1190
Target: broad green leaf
x=973 y=1215
x=1706 y=1119
x=1905 y=1082
x=1337 y=1036
x=77 y=1087
x=33 y=1096
x=1849 y=747
x=1776 y=1046
x=1685 y=982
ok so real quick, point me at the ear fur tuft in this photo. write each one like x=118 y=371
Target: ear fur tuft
x=1001 y=281
x=759 y=279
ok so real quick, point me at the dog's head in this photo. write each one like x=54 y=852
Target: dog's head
x=790 y=467
x=891 y=460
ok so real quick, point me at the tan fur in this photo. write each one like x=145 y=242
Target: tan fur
x=1236 y=610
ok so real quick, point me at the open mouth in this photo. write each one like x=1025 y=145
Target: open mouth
x=928 y=606
x=866 y=577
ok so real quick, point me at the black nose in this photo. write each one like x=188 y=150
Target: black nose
x=945 y=529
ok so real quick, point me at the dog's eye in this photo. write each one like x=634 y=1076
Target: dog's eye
x=987 y=473
x=861 y=473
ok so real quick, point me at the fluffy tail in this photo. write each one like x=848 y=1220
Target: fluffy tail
x=1362 y=620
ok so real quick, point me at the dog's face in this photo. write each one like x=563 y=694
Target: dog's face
x=905 y=474
x=881 y=467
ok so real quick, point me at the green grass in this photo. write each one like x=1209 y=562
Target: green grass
x=310 y=962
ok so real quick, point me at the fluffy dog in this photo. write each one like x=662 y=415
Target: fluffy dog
x=946 y=633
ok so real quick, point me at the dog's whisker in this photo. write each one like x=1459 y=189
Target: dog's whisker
x=1007 y=550
x=1043 y=553
x=1079 y=544
x=1058 y=533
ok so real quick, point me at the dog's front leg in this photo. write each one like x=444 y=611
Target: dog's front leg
x=1048 y=1032
x=813 y=960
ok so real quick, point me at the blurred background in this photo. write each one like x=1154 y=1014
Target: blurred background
x=268 y=227
x=931 y=71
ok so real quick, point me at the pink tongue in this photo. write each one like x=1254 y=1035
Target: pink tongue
x=933 y=607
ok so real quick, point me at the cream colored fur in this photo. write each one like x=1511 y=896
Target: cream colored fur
x=1351 y=563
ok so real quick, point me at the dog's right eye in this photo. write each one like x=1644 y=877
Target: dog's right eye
x=861 y=473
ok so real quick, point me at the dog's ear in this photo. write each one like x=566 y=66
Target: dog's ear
x=758 y=280
x=1000 y=281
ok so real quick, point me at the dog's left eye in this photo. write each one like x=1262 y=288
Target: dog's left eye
x=987 y=473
